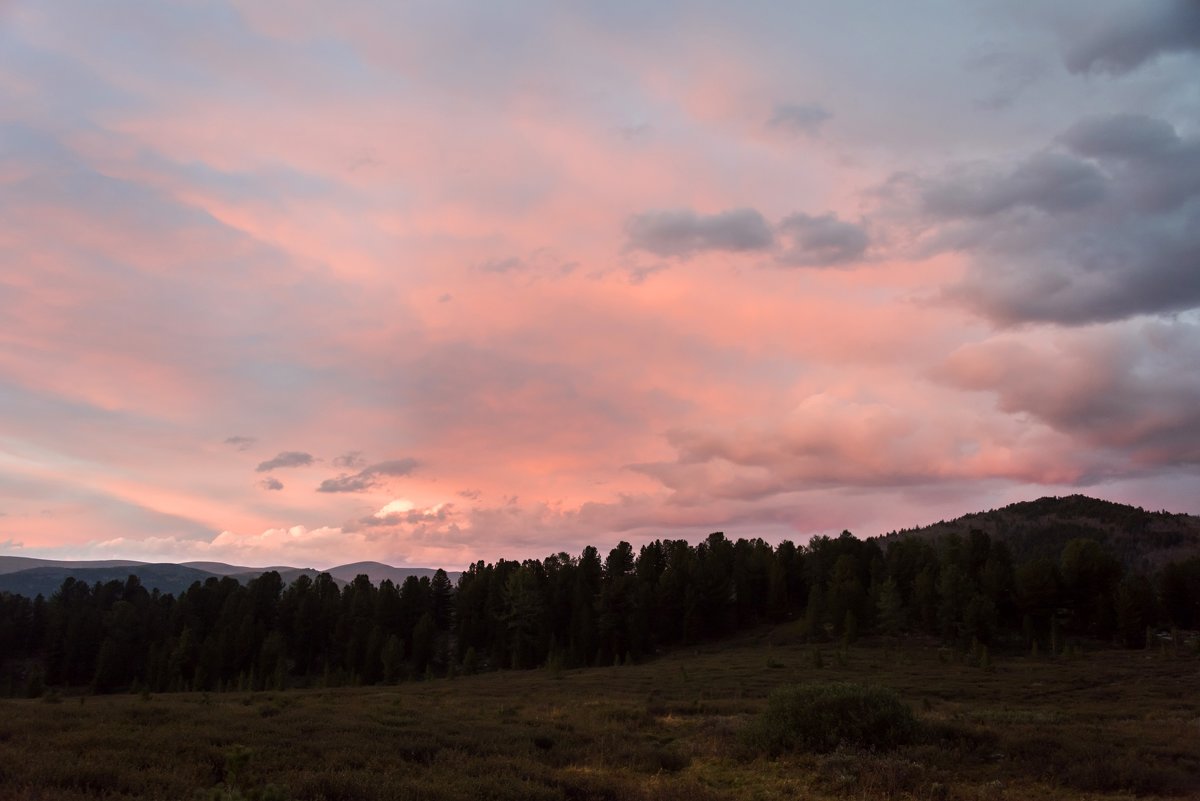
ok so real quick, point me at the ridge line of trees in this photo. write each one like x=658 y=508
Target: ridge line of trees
x=568 y=611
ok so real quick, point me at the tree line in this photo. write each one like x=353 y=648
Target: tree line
x=566 y=611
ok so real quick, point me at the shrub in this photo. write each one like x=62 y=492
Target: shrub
x=669 y=760
x=821 y=717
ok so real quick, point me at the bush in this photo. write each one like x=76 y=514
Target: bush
x=821 y=717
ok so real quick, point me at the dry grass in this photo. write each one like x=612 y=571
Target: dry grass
x=1115 y=724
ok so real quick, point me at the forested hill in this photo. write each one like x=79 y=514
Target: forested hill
x=1142 y=540
x=969 y=589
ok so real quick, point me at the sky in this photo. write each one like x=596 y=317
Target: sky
x=433 y=282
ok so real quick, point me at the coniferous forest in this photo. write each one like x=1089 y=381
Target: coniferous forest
x=566 y=611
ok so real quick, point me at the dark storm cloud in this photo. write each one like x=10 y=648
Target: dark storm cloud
x=240 y=442
x=271 y=483
x=285 y=459
x=1138 y=34
x=805 y=118
x=821 y=241
x=683 y=232
x=1104 y=227
x=369 y=477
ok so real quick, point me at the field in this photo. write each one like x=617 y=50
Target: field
x=1103 y=724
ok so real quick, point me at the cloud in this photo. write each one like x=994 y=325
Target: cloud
x=369 y=477
x=398 y=506
x=271 y=483
x=285 y=459
x=798 y=240
x=349 y=460
x=829 y=440
x=1139 y=33
x=683 y=232
x=240 y=442
x=505 y=265
x=1103 y=226
x=821 y=241
x=1050 y=182
x=1122 y=136
x=405 y=512
x=803 y=118
x=1130 y=388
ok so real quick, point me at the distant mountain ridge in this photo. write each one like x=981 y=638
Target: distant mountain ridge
x=31 y=576
x=1141 y=539
x=11 y=564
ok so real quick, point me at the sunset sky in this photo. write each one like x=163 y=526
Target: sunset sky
x=431 y=282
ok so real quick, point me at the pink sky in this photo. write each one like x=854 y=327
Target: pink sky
x=436 y=283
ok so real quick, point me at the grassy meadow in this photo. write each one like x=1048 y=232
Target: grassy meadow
x=1101 y=724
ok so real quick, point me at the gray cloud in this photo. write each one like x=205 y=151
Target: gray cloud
x=349 y=460
x=271 y=483
x=798 y=240
x=1122 y=136
x=804 y=118
x=505 y=265
x=240 y=442
x=1051 y=182
x=683 y=232
x=1138 y=34
x=1156 y=168
x=369 y=477
x=821 y=241
x=1104 y=227
x=285 y=459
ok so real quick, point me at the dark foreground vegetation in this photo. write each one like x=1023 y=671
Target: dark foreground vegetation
x=916 y=666
x=715 y=723
x=966 y=589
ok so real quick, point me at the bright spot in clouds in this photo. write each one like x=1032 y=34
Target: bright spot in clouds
x=395 y=507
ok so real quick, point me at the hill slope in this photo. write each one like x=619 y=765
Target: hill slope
x=11 y=564
x=1142 y=540
x=47 y=579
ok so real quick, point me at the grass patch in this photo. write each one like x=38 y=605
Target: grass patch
x=1109 y=728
